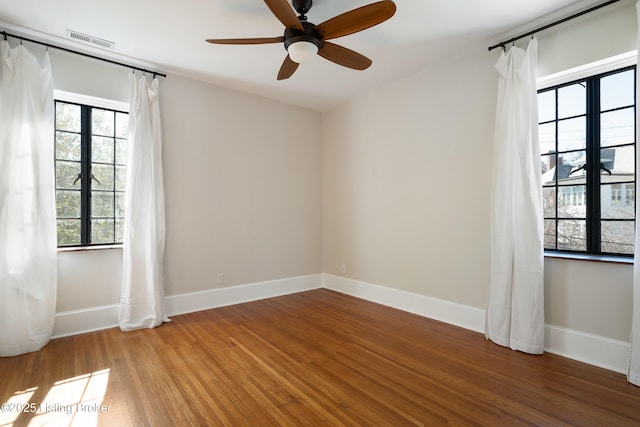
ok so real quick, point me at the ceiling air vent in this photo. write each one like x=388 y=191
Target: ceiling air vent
x=86 y=38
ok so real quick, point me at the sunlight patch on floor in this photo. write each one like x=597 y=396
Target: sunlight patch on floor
x=71 y=402
x=12 y=409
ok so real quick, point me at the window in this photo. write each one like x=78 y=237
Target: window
x=587 y=145
x=91 y=153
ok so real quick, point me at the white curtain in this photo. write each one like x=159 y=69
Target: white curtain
x=515 y=311
x=141 y=304
x=634 y=365
x=28 y=269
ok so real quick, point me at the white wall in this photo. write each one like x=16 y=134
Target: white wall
x=593 y=297
x=601 y=34
x=243 y=182
x=407 y=173
x=243 y=188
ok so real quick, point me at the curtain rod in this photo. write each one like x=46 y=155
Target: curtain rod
x=553 y=24
x=21 y=38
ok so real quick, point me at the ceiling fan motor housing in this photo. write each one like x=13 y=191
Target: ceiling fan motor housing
x=310 y=34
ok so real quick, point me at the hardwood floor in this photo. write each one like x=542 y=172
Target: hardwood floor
x=314 y=358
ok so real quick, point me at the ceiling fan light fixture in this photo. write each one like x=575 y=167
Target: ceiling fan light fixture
x=302 y=51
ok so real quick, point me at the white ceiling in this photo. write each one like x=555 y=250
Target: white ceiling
x=170 y=34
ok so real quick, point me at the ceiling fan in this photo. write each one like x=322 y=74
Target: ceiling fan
x=303 y=40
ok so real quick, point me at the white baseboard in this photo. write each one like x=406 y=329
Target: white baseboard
x=220 y=297
x=595 y=350
x=91 y=319
x=592 y=349
x=445 y=311
x=96 y=318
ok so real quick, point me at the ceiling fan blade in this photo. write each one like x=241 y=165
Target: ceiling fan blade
x=262 y=40
x=343 y=56
x=287 y=68
x=357 y=19
x=285 y=14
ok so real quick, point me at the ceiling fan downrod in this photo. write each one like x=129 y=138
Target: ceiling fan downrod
x=302 y=7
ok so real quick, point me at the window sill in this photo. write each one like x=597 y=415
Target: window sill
x=588 y=257
x=88 y=248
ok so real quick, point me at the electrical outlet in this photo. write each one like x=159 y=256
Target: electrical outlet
x=343 y=269
x=220 y=278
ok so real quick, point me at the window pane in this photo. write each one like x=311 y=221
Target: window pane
x=102 y=231
x=618 y=237
x=572 y=235
x=103 y=177
x=548 y=169
x=102 y=204
x=572 y=100
x=549 y=201
x=572 y=201
x=122 y=125
x=617 y=90
x=549 y=234
x=617 y=127
x=102 y=122
x=67 y=146
x=572 y=134
x=618 y=164
x=68 y=232
x=570 y=169
x=119 y=230
x=120 y=204
x=617 y=201
x=547 y=135
x=121 y=178
x=68 y=204
x=547 y=106
x=121 y=151
x=102 y=149
x=67 y=117
x=66 y=174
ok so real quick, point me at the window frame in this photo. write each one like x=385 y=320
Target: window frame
x=85 y=161
x=599 y=70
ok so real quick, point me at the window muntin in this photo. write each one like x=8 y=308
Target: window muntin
x=587 y=145
x=90 y=147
